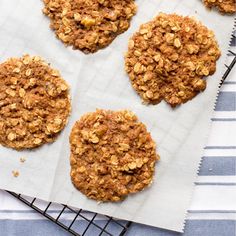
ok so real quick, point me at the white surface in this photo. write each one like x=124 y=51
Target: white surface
x=222 y=136
x=99 y=81
x=214 y=198
x=220 y=152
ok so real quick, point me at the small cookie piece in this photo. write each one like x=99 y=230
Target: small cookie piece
x=89 y=25
x=112 y=155
x=168 y=58
x=15 y=173
x=34 y=102
x=224 y=6
x=22 y=159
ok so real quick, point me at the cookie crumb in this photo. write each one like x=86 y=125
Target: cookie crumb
x=22 y=159
x=15 y=173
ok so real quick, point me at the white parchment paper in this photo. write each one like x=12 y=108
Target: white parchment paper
x=99 y=81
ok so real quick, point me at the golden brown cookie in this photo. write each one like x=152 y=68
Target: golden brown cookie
x=169 y=57
x=224 y=6
x=112 y=155
x=34 y=102
x=89 y=25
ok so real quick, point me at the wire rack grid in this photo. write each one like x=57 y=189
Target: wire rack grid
x=78 y=222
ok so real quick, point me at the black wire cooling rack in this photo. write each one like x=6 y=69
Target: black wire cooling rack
x=83 y=223
x=78 y=222
x=230 y=53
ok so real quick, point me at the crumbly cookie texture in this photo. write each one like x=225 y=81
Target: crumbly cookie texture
x=224 y=6
x=112 y=155
x=168 y=58
x=34 y=102
x=89 y=25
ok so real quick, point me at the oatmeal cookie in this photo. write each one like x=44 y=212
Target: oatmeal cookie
x=168 y=58
x=224 y=6
x=89 y=25
x=34 y=102
x=112 y=155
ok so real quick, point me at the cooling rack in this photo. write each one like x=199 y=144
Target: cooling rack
x=78 y=222
x=83 y=223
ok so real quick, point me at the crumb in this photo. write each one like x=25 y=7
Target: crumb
x=15 y=173
x=22 y=159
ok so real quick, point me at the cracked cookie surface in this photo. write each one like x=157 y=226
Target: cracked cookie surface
x=168 y=58
x=224 y=6
x=112 y=155
x=34 y=102
x=89 y=25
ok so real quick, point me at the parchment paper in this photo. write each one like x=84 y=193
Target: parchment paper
x=99 y=81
